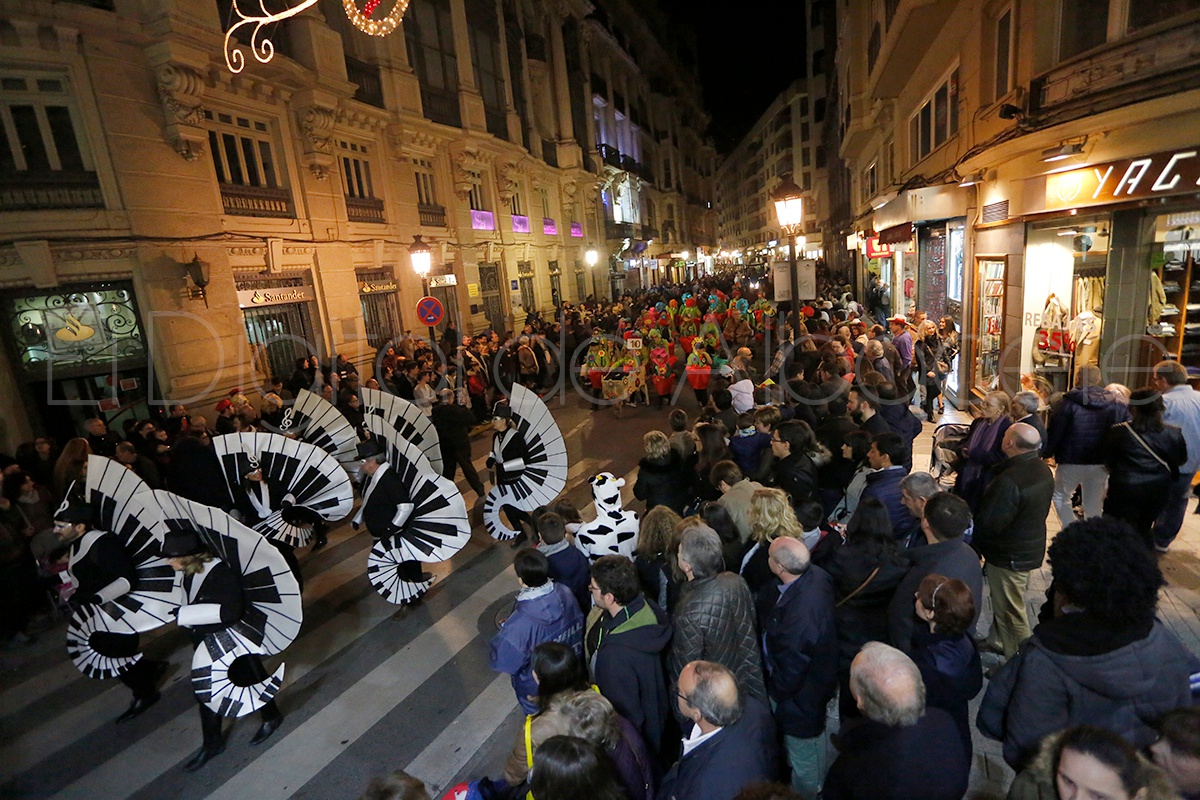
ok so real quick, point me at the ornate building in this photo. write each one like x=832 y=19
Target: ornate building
x=170 y=228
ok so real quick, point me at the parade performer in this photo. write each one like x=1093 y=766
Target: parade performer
x=698 y=370
x=528 y=459
x=407 y=420
x=414 y=514
x=101 y=570
x=662 y=368
x=598 y=362
x=614 y=530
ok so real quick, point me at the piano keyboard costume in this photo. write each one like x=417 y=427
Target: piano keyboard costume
x=415 y=515
x=407 y=420
x=315 y=420
x=529 y=460
x=300 y=484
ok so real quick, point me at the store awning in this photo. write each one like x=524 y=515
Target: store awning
x=897 y=234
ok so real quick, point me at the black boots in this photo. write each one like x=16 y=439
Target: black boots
x=271 y=720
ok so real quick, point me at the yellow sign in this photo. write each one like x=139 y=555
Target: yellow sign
x=473 y=289
x=74 y=331
x=367 y=287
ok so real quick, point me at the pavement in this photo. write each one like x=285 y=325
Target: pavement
x=370 y=688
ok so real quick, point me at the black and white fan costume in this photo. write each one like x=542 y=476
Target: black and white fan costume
x=415 y=515
x=529 y=460
x=301 y=484
x=406 y=419
x=313 y=419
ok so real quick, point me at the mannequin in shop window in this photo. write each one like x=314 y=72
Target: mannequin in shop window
x=1085 y=332
x=1049 y=341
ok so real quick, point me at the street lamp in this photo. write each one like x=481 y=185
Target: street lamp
x=591 y=257
x=789 y=208
x=420 y=255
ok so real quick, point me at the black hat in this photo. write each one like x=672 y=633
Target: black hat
x=180 y=543
x=502 y=410
x=370 y=448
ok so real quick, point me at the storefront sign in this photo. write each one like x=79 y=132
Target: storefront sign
x=877 y=250
x=1167 y=173
x=482 y=220
x=576 y=230
x=473 y=290
x=369 y=287
x=248 y=298
x=897 y=234
x=442 y=280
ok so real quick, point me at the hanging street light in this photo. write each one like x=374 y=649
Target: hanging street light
x=420 y=254
x=789 y=208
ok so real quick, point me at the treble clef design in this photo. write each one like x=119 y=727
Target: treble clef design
x=288 y=419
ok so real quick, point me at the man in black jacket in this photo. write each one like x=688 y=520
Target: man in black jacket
x=729 y=741
x=945 y=519
x=625 y=645
x=800 y=650
x=795 y=471
x=385 y=505
x=102 y=441
x=1010 y=533
x=903 y=749
x=101 y=570
x=453 y=423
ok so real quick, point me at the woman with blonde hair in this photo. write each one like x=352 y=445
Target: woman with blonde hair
x=654 y=555
x=662 y=479
x=771 y=516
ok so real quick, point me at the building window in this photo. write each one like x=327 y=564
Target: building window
x=515 y=206
x=1142 y=15
x=544 y=202
x=1083 y=26
x=429 y=35
x=484 y=34
x=41 y=156
x=805 y=157
x=936 y=120
x=1004 y=54
x=818 y=62
x=819 y=110
x=426 y=188
x=804 y=106
x=870 y=185
x=475 y=197
x=361 y=203
x=243 y=156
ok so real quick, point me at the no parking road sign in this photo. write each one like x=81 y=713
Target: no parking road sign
x=430 y=311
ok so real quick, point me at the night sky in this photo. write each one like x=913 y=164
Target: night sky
x=744 y=63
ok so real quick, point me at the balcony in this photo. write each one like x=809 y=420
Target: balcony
x=257 y=201
x=629 y=164
x=1154 y=63
x=497 y=122
x=441 y=106
x=609 y=155
x=49 y=190
x=365 y=209
x=432 y=216
x=915 y=25
x=620 y=230
x=366 y=77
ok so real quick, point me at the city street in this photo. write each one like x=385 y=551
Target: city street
x=370 y=689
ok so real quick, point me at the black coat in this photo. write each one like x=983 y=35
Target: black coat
x=380 y=508
x=797 y=475
x=664 y=483
x=1132 y=470
x=757 y=571
x=105 y=560
x=800 y=650
x=453 y=424
x=832 y=432
x=219 y=586
x=1010 y=526
x=510 y=444
x=1078 y=424
x=864 y=617
x=926 y=761
x=720 y=768
x=953 y=675
x=954 y=559
x=714 y=621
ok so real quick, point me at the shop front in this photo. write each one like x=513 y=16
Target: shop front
x=77 y=351
x=378 y=295
x=278 y=314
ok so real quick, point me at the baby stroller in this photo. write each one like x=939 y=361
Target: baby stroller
x=948 y=440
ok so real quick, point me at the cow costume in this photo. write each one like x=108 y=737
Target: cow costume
x=613 y=531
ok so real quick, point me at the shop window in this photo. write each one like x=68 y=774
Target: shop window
x=989 y=335
x=429 y=36
x=42 y=156
x=1083 y=26
x=243 y=154
x=936 y=120
x=1004 y=54
x=76 y=332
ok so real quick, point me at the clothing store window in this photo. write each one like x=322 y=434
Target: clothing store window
x=989 y=322
x=1066 y=266
x=1173 y=310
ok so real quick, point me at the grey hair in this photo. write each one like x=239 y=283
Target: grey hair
x=1028 y=401
x=920 y=484
x=888 y=685
x=700 y=546
x=711 y=696
x=592 y=717
x=873 y=349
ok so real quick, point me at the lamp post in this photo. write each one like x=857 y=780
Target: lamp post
x=789 y=208
x=591 y=257
x=419 y=255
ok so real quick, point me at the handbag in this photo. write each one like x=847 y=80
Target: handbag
x=1147 y=447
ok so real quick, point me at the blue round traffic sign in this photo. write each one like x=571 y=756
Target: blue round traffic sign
x=430 y=311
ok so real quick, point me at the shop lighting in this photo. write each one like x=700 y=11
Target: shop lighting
x=1062 y=152
x=881 y=205
x=772 y=243
x=684 y=255
x=1069 y=232
x=972 y=179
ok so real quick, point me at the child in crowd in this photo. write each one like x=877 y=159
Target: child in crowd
x=748 y=443
x=568 y=565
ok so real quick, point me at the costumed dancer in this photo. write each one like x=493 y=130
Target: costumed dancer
x=102 y=570
x=528 y=459
x=385 y=506
x=698 y=371
x=662 y=367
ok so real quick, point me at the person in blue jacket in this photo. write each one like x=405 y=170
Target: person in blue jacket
x=568 y=565
x=545 y=611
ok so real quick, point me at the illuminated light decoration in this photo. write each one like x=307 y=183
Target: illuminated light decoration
x=258 y=18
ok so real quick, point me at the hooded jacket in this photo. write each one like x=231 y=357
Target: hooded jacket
x=1078 y=424
x=1079 y=670
x=628 y=666
x=1039 y=780
x=546 y=613
x=884 y=486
